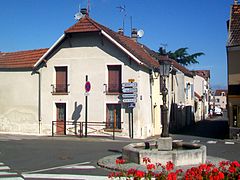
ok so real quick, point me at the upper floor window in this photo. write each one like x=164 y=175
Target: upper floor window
x=61 y=85
x=114 y=78
x=217 y=100
x=222 y=93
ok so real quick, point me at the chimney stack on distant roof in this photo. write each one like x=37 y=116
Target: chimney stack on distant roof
x=235 y=2
x=134 y=35
x=120 y=31
x=84 y=11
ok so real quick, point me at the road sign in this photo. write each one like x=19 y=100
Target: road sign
x=129 y=90
x=131 y=105
x=129 y=100
x=133 y=84
x=87 y=86
x=129 y=95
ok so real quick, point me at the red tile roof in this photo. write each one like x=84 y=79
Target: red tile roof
x=203 y=73
x=26 y=59
x=21 y=59
x=219 y=91
x=234 y=26
x=86 y=24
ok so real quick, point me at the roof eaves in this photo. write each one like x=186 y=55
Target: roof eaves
x=123 y=48
x=49 y=50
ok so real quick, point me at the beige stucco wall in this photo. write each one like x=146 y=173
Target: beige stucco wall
x=18 y=102
x=157 y=101
x=90 y=55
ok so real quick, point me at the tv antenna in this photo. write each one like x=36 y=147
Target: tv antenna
x=122 y=9
x=164 y=45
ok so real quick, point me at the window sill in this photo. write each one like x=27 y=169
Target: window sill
x=111 y=130
x=60 y=93
x=113 y=93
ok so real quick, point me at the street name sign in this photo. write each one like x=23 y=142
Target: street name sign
x=129 y=95
x=129 y=90
x=129 y=100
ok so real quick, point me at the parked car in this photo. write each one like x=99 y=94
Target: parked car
x=218 y=111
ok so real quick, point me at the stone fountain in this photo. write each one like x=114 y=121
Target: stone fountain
x=161 y=151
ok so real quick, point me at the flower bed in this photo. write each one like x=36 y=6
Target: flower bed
x=225 y=170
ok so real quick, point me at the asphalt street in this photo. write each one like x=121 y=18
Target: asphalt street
x=32 y=157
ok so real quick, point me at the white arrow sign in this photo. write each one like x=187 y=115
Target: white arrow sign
x=134 y=84
x=129 y=100
x=129 y=95
x=129 y=90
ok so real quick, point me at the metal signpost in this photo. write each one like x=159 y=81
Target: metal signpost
x=129 y=96
x=87 y=90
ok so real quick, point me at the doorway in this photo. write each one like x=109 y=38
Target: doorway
x=61 y=118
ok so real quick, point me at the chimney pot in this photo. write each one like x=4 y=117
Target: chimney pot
x=84 y=11
x=120 y=31
x=134 y=35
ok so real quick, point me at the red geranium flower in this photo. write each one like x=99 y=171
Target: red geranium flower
x=169 y=166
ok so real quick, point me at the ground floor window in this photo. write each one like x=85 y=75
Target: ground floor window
x=113 y=116
x=236 y=115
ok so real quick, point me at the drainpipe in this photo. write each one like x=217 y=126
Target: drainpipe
x=39 y=101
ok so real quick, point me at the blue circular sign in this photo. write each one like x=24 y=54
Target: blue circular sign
x=87 y=86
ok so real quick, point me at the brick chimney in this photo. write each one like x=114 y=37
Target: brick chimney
x=120 y=31
x=134 y=35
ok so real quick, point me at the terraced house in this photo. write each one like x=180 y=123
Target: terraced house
x=43 y=91
x=233 y=54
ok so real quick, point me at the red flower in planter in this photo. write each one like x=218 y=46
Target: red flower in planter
x=146 y=160
x=139 y=174
x=120 y=161
x=235 y=164
x=150 y=167
x=169 y=166
x=172 y=176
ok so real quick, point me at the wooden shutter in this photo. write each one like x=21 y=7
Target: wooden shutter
x=114 y=78
x=61 y=79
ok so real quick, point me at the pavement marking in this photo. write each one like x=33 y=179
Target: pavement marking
x=229 y=142
x=12 y=178
x=196 y=141
x=1 y=164
x=177 y=140
x=79 y=167
x=211 y=142
x=64 y=176
x=4 y=168
x=53 y=168
x=5 y=173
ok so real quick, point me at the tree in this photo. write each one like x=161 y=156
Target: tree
x=181 y=56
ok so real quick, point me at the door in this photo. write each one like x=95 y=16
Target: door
x=114 y=116
x=61 y=118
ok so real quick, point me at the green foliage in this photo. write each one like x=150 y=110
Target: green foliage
x=182 y=56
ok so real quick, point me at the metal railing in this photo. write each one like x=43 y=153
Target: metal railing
x=77 y=128
x=60 y=88
x=70 y=126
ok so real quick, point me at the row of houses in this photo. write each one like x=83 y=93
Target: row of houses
x=43 y=91
x=233 y=63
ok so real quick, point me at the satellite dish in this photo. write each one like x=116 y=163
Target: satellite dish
x=78 y=16
x=140 y=33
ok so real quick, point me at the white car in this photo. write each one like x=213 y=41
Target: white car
x=218 y=111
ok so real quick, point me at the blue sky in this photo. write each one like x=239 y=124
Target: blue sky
x=199 y=25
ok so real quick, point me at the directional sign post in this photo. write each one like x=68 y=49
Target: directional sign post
x=129 y=97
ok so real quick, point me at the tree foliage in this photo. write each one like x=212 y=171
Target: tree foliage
x=182 y=56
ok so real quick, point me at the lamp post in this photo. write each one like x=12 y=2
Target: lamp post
x=164 y=72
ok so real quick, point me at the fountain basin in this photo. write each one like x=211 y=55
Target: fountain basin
x=181 y=155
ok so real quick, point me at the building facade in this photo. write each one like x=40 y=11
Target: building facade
x=233 y=54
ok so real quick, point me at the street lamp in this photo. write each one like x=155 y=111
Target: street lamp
x=164 y=72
